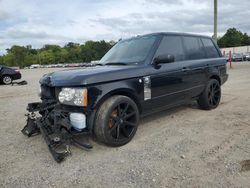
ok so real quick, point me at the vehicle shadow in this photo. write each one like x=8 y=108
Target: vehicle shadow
x=144 y=122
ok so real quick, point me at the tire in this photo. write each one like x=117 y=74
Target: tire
x=116 y=121
x=6 y=79
x=210 y=97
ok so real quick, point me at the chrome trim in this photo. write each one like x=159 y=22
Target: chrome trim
x=147 y=87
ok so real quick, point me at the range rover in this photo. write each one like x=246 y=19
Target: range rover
x=138 y=76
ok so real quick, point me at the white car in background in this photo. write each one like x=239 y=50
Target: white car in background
x=34 y=66
x=246 y=56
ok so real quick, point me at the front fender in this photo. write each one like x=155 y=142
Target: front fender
x=132 y=88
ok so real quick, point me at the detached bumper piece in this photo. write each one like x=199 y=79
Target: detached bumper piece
x=31 y=129
x=55 y=127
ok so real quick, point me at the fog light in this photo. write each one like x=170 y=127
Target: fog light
x=78 y=121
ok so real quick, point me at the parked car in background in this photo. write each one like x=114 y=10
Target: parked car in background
x=73 y=65
x=246 y=56
x=237 y=57
x=7 y=75
x=227 y=56
x=34 y=66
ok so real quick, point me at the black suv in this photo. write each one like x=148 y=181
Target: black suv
x=136 y=77
x=7 y=75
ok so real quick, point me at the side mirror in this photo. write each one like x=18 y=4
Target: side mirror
x=161 y=59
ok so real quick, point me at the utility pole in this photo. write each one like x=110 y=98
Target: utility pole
x=215 y=19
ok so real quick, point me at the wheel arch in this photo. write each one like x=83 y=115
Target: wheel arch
x=121 y=91
x=3 y=75
x=216 y=77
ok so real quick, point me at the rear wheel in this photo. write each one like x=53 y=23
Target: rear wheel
x=210 y=98
x=116 y=121
x=6 y=79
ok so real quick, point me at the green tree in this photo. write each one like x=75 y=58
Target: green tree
x=52 y=54
x=17 y=55
x=73 y=55
x=232 y=38
x=245 y=40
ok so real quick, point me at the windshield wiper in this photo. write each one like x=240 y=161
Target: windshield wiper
x=116 y=63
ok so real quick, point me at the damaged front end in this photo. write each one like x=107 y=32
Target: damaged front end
x=53 y=122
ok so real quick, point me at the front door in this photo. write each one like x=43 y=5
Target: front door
x=168 y=85
x=168 y=82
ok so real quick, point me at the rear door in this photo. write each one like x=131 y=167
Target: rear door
x=215 y=62
x=196 y=65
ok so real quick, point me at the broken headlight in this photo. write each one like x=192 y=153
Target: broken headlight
x=73 y=96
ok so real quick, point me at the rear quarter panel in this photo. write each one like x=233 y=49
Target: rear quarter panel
x=217 y=67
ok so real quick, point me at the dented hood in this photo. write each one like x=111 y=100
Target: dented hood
x=91 y=75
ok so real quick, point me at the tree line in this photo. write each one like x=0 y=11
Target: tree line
x=22 y=56
x=233 y=38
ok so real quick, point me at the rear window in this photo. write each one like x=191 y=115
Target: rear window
x=194 y=48
x=210 y=49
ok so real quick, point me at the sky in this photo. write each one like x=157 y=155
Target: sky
x=40 y=22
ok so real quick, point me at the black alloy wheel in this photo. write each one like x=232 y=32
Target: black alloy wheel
x=122 y=121
x=210 y=97
x=117 y=121
x=214 y=94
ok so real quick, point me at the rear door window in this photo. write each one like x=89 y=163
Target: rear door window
x=194 y=48
x=171 y=45
x=210 y=49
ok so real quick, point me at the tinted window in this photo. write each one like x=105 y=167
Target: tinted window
x=194 y=48
x=210 y=49
x=171 y=45
x=130 y=50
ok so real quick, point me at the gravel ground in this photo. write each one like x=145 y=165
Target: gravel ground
x=182 y=147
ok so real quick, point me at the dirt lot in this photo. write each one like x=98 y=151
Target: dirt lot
x=182 y=147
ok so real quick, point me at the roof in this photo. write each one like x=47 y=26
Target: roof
x=176 y=33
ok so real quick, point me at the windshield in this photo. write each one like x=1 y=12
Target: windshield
x=129 y=51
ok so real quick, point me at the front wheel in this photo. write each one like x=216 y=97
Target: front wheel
x=210 y=97
x=116 y=121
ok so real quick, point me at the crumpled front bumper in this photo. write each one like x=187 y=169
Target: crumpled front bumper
x=55 y=127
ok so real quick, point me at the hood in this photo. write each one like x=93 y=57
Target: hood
x=91 y=75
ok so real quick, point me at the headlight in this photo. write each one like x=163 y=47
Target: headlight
x=73 y=96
